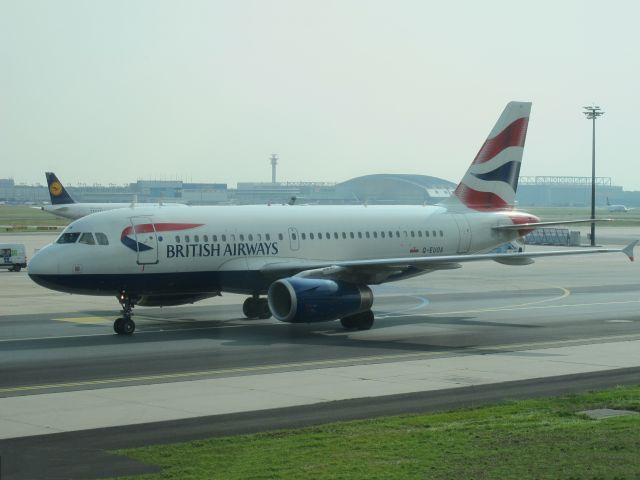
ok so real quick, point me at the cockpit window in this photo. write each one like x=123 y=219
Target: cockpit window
x=68 y=237
x=87 y=239
x=102 y=238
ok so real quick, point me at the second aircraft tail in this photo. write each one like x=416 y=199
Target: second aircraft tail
x=57 y=192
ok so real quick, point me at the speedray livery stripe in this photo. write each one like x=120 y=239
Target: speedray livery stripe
x=148 y=228
x=492 y=179
x=512 y=136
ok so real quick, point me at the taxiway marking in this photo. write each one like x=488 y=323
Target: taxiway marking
x=319 y=364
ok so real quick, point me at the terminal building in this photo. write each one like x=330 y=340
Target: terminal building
x=378 y=189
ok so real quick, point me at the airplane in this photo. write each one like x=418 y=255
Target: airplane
x=617 y=208
x=63 y=205
x=313 y=264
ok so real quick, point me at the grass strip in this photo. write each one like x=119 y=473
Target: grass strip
x=541 y=439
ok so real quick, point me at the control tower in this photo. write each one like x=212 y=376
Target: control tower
x=274 y=162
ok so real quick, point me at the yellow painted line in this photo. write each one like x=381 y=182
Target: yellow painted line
x=85 y=320
x=322 y=363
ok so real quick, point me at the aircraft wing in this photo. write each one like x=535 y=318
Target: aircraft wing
x=376 y=271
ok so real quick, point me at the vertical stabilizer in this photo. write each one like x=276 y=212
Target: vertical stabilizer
x=57 y=192
x=492 y=179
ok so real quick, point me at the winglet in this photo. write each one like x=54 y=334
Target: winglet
x=628 y=250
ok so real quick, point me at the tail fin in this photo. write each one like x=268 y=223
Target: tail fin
x=57 y=192
x=492 y=179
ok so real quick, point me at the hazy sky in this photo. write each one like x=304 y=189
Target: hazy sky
x=114 y=91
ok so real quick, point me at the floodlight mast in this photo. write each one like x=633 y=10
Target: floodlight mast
x=592 y=113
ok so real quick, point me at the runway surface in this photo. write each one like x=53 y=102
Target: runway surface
x=484 y=332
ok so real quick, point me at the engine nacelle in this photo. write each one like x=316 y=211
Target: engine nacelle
x=296 y=299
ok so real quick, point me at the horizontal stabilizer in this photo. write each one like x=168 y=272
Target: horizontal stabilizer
x=534 y=225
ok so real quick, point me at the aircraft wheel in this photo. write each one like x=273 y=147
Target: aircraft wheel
x=365 y=320
x=117 y=325
x=128 y=326
x=348 y=323
x=359 y=321
x=263 y=308
x=249 y=308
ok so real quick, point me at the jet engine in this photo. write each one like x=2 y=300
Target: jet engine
x=296 y=299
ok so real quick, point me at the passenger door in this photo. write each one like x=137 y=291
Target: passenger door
x=294 y=239
x=144 y=233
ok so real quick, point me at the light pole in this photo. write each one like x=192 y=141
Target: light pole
x=592 y=113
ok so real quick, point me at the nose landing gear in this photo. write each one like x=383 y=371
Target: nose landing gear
x=125 y=325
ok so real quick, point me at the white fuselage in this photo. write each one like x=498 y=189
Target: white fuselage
x=167 y=242
x=79 y=210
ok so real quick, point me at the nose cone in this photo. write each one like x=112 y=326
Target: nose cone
x=43 y=267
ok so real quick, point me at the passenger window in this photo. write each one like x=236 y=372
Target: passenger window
x=186 y=239
x=328 y=236
x=69 y=237
x=102 y=239
x=250 y=237
x=434 y=233
x=420 y=233
x=359 y=234
x=366 y=234
x=242 y=237
x=293 y=236
x=405 y=234
x=304 y=236
x=426 y=233
x=232 y=237
x=267 y=237
x=413 y=234
x=311 y=236
x=320 y=236
x=196 y=238
x=441 y=233
x=397 y=234
x=214 y=238
x=206 y=239
x=87 y=239
x=224 y=238
x=351 y=234
x=375 y=234
x=335 y=235
x=177 y=238
x=382 y=234
x=344 y=235
x=280 y=236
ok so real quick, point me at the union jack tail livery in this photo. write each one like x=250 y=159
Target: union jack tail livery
x=492 y=179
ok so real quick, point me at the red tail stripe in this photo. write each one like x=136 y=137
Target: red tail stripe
x=512 y=136
x=480 y=200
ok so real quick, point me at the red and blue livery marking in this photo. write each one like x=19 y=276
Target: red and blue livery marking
x=142 y=228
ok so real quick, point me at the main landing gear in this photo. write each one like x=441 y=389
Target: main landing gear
x=125 y=325
x=358 y=321
x=256 y=307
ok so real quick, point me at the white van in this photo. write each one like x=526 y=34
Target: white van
x=12 y=256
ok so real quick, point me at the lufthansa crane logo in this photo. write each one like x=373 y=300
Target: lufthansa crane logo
x=55 y=188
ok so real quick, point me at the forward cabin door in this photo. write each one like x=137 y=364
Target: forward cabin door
x=144 y=234
x=294 y=239
x=464 y=231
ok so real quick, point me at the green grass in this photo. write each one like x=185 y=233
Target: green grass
x=542 y=439
x=18 y=217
